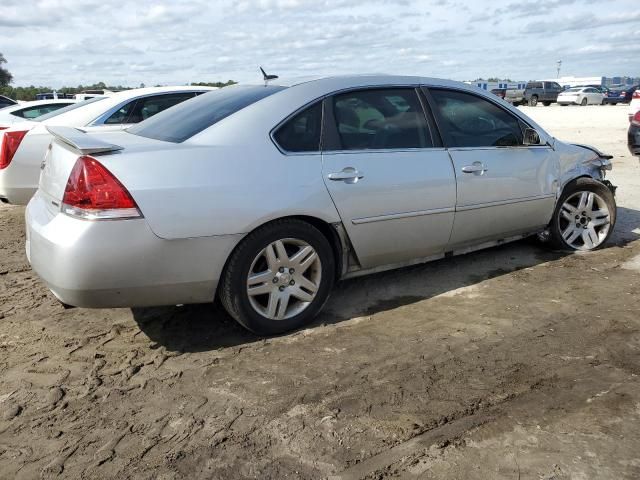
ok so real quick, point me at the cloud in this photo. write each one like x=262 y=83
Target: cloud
x=66 y=42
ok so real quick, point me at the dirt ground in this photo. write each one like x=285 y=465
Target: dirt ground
x=515 y=362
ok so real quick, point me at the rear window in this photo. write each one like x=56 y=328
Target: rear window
x=69 y=108
x=31 y=113
x=193 y=116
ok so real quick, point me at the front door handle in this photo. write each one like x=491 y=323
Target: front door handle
x=347 y=175
x=477 y=168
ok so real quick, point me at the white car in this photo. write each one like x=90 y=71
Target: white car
x=634 y=106
x=24 y=145
x=30 y=110
x=581 y=96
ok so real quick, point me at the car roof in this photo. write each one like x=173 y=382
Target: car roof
x=139 y=92
x=327 y=84
x=35 y=103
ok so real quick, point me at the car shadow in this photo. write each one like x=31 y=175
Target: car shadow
x=206 y=327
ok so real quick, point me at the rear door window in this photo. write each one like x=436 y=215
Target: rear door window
x=147 y=107
x=467 y=120
x=302 y=132
x=381 y=119
x=121 y=115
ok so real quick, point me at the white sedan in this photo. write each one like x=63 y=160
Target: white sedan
x=23 y=146
x=30 y=110
x=581 y=96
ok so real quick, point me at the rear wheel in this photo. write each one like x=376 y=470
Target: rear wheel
x=533 y=101
x=279 y=277
x=546 y=104
x=584 y=217
x=584 y=102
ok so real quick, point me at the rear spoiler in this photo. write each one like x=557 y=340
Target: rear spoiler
x=86 y=144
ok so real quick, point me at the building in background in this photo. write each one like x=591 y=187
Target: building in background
x=493 y=85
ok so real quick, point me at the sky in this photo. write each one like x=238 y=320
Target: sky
x=70 y=42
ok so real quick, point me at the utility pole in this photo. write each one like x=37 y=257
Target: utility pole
x=559 y=64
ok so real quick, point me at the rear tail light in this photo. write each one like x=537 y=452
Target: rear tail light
x=3 y=128
x=636 y=94
x=636 y=118
x=94 y=193
x=9 y=145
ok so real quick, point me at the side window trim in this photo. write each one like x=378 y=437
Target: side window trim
x=434 y=131
x=447 y=141
x=332 y=142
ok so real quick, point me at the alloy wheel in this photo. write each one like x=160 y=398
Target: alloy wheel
x=584 y=220
x=284 y=278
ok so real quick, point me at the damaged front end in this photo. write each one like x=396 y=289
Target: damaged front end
x=584 y=160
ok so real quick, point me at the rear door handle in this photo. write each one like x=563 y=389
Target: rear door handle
x=347 y=175
x=477 y=168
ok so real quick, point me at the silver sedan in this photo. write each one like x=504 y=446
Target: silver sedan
x=265 y=195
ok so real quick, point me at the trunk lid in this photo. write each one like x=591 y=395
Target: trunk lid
x=120 y=152
x=62 y=153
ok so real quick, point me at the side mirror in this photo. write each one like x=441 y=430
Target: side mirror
x=531 y=137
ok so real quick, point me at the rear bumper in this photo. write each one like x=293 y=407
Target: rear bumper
x=12 y=190
x=120 y=263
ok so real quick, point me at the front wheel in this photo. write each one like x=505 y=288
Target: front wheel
x=279 y=277
x=584 y=102
x=584 y=216
x=546 y=104
x=533 y=101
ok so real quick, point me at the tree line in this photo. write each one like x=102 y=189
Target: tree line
x=30 y=92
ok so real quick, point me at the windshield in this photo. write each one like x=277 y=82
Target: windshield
x=69 y=108
x=573 y=90
x=183 y=121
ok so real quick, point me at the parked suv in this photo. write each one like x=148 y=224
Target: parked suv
x=545 y=92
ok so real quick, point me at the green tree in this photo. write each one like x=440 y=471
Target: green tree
x=5 y=77
x=214 y=84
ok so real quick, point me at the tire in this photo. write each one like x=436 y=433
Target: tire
x=603 y=102
x=533 y=101
x=584 y=102
x=569 y=220
x=252 y=311
x=546 y=104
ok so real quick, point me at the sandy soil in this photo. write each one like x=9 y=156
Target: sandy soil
x=514 y=362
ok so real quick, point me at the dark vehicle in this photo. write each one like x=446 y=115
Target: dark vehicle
x=634 y=127
x=622 y=95
x=6 y=102
x=499 y=92
x=634 y=134
x=545 y=92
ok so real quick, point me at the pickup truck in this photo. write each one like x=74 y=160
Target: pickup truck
x=515 y=96
x=534 y=92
